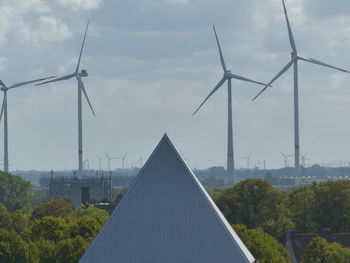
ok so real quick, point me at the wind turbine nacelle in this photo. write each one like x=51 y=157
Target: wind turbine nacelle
x=84 y=73
x=227 y=73
x=3 y=88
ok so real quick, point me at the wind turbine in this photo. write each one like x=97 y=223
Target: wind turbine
x=248 y=160
x=227 y=76
x=304 y=158
x=100 y=160
x=123 y=158
x=78 y=75
x=109 y=158
x=286 y=156
x=4 y=89
x=294 y=61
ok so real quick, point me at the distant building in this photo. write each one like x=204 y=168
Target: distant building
x=167 y=216
x=81 y=191
x=297 y=243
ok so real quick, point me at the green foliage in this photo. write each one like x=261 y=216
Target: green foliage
x=87 y=227
x=320 y=251
x=50 y=228
x=70 y=250
x=255 y=203
x=263 y=246
x=15 y=192
x=324 y=205
x=54 y=207
x=46 y=250
x=91 y=211
x=13 y=248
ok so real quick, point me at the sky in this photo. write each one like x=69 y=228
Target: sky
x=152 y=62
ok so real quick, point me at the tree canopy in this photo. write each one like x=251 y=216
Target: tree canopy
x=263 y=246
x=255 y=203
x=15 y=192
x=320 y=251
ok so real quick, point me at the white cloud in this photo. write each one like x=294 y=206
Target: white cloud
x=3 y=63
x=12 y=14
x=47 y=28
x=80 y=4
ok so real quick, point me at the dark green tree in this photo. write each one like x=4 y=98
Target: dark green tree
x=324 y=205
x=263 y=246
x=320 y=251
x=15 y=192
x=255 y=203
x=70 y=250
x=55 y=207
x=14 y=249
x=50 y=228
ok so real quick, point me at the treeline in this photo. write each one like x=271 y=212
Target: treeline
x=307 y=209
x=54 y=231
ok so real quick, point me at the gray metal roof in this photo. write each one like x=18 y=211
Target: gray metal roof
x=166 y=217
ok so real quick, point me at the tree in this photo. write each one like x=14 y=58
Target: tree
x=303 y=206
x=263 y=246
x=86 y=227
x=13 y=248
x=320 y=251
x=55 y=207
x=255 y=203
x=47 y=250
x=71 y=250
x=324 y=205
x=15 y=192
x=50 y=228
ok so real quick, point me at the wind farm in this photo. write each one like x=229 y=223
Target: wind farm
x=188 y=152
x=230 y=163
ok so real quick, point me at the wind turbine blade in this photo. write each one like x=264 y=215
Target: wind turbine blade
x=221 y=56
x=246 y=79
x=211 y=93
x=81 y=85
x=2 y=107
x=290 y=34
x=2 y=83
x=28 y=82
x=286 y=67
x=69 y=76
x=317 y=62
x=82 y=47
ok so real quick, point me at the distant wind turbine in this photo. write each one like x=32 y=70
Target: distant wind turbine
x=227 y=76
x=78 y=75
x=285 y=157
x=109 y=158
x=4 y=89
x=294 y=61
x=248 y=160
x=100 y=160
x=123 y=159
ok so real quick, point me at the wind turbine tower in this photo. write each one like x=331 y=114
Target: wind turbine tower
x=100 y=161
x=4 y=89
x=227 y=76
x=294 y=61
x=81 y=89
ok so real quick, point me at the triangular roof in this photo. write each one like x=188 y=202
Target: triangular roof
x=166 y=217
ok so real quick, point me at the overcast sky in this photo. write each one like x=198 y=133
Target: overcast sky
x=152 y=62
